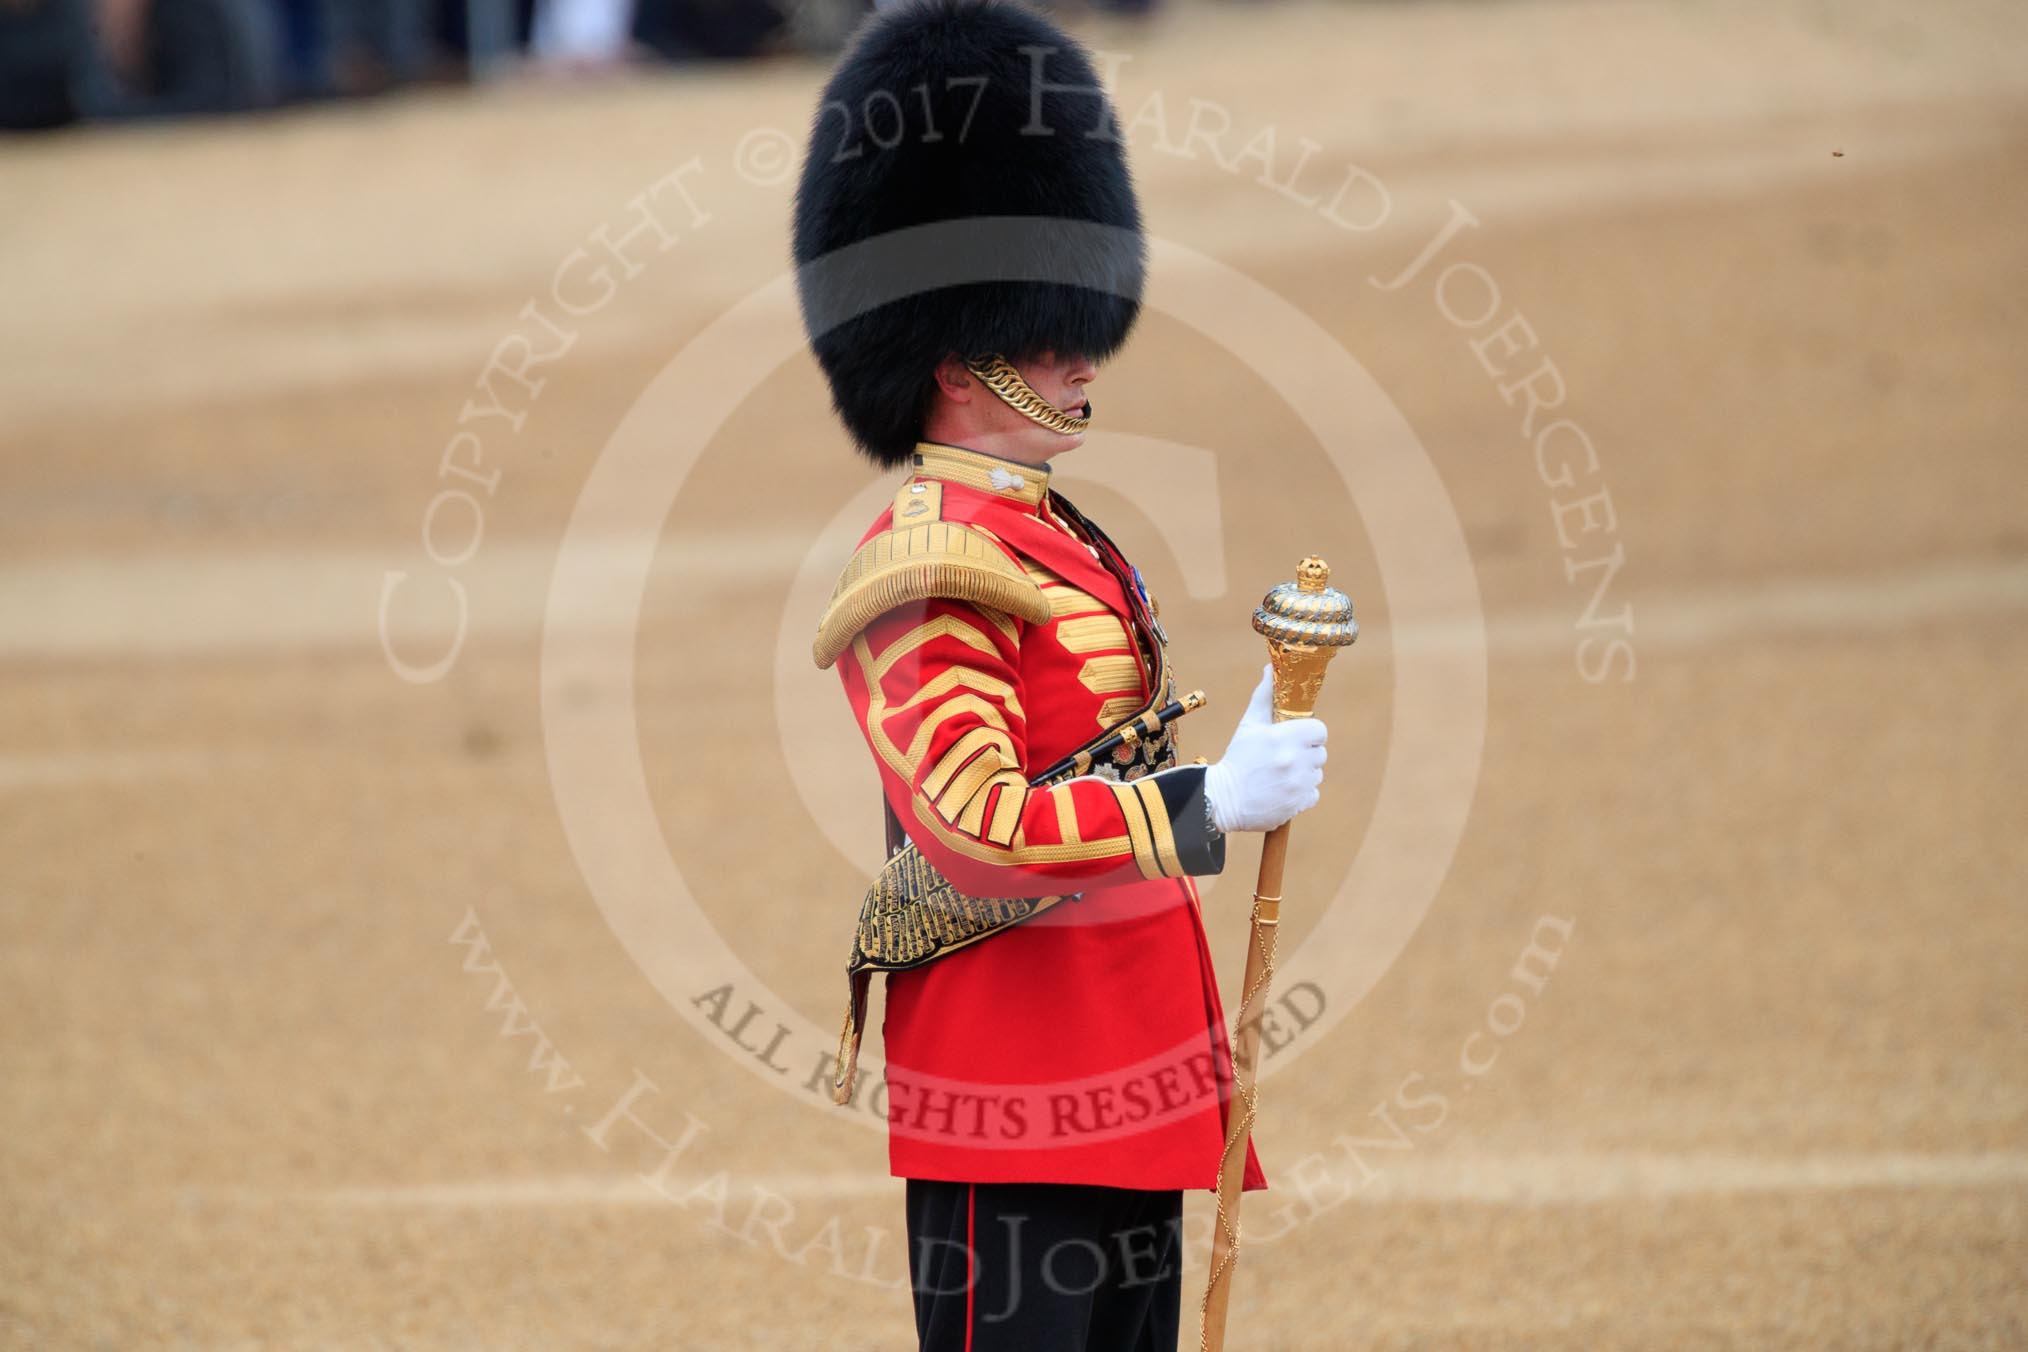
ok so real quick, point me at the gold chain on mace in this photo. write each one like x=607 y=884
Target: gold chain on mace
x=1249 y=1097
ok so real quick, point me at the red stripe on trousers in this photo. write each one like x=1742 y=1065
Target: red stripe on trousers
x=971 y=1258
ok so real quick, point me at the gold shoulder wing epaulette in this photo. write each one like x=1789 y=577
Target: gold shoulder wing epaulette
x=921 y=557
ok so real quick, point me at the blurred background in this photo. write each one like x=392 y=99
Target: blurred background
x=322 y=1025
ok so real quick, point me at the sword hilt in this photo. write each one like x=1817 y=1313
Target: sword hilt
x=1128 y=734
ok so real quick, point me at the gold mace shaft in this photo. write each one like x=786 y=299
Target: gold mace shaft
x=1305 y=610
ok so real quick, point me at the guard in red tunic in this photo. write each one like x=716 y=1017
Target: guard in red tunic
x=969 y=248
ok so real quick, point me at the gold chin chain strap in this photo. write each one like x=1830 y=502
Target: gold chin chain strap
x=997 y=374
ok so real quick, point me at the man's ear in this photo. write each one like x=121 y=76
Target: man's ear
x=954 y=380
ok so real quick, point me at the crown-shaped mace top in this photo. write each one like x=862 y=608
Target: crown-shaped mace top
x=1308 y=611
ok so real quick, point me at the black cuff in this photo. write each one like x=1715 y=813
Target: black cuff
x=1199 y=847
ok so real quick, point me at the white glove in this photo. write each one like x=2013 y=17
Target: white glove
x=1270 y=771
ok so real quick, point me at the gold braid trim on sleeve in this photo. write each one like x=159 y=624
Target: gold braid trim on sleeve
x=915 y=562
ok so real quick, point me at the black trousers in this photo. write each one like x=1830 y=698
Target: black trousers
x=1044 y=1267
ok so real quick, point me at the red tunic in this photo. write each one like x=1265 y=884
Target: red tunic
x=1088 y=1044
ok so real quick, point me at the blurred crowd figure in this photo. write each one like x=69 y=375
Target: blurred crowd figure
x=65 y=61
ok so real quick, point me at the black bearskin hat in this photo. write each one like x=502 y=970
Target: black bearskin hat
x=965 y=191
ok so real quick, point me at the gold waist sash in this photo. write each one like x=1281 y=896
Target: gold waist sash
x=913 y=914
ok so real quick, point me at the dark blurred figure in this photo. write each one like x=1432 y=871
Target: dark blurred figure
x=40 y=70
x=370 y=46
x=61 y=60
x=481 y=35
x=680 y=30
x=65 y=60
x=379 y=44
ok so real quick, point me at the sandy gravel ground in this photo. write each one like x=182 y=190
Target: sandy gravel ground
x=315 y=978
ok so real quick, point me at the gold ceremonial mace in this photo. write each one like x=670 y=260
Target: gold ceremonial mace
x=1305 y=623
